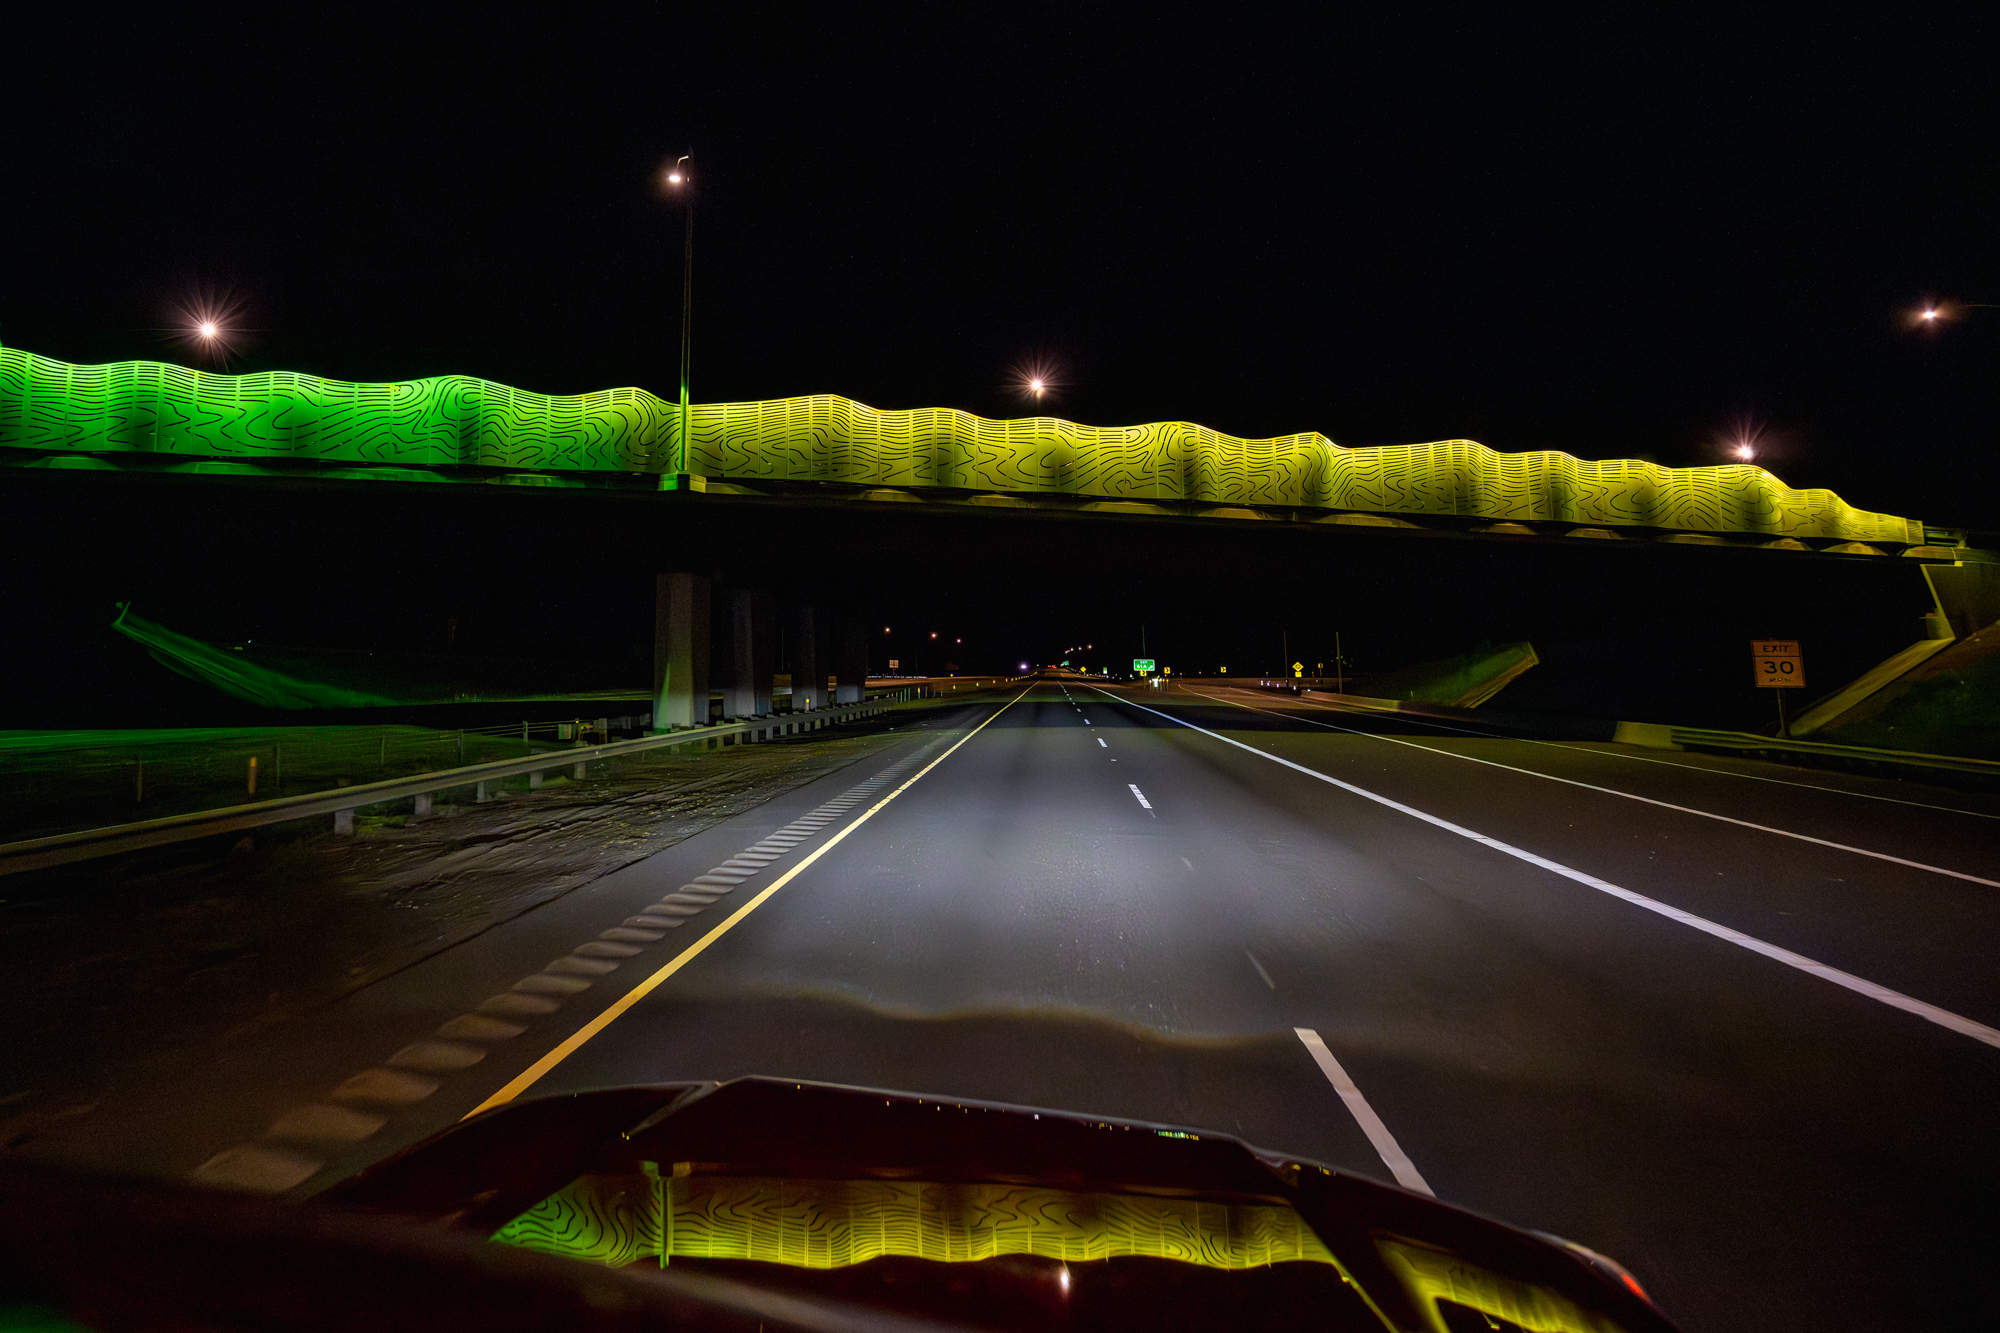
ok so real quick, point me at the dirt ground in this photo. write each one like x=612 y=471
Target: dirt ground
x=122 y=969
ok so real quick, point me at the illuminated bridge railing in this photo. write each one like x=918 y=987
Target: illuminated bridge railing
x=53 y=414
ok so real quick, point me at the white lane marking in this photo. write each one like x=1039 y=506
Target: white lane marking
x=1260 y=967
x=1759 y=777
x=1141 y=795
x=1630 y=796
x=1930 y=1013
x=1585 y=747
x=1393 y=1156
x=1100 y=741
x=528 y=1077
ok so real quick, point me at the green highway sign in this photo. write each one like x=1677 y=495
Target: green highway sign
x=1142 y=664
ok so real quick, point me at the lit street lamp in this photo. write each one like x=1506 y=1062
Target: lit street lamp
x=1936 y=313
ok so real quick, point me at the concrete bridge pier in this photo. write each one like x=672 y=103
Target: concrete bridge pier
x=680 y=651
x=851 y=661
x=808 y=663
x=752 y=654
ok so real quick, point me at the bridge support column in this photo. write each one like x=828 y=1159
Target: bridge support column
x=680 y=651
x=851 y=661
x=808 y=663
x=751 y=654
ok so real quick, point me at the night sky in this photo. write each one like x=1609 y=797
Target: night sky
x=1615 y=234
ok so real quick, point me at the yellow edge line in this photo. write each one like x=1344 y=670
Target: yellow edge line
x=528 y=1077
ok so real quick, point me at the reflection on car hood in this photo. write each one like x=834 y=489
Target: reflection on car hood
x=1011 y=1215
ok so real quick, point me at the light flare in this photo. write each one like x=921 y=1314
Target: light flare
x=1743 y=440
x=209 y=326
x=1037 y=379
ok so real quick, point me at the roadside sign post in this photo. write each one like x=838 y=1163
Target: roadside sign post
x=1779 y=666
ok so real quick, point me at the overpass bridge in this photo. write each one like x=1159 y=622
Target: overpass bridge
x=457 y=429
x=766 y=511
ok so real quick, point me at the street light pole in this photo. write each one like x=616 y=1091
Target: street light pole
x=680 y=179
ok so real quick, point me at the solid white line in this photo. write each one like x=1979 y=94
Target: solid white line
x=1759 y=777
x=1393 y=1156
x=528 y=1077
x=1141 y=795
x=1584 y=747
x=1613 y=791
x=1882 y=994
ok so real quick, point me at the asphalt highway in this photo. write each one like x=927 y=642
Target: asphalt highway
x=1731 y=1023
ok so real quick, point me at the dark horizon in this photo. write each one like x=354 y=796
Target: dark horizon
x=1614 y=237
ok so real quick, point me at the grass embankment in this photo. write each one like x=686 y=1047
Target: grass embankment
x=1948 y=705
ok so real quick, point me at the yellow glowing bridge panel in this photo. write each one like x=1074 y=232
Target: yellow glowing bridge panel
x=66 y=413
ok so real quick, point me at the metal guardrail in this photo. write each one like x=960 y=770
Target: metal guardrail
x=342 y=802
x=1698 y=738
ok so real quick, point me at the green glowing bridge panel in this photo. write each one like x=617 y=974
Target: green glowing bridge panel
x=241 y=422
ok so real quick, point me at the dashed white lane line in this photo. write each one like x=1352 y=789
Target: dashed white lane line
x=1393 y=1156
x=1630 y=796
x=1141 y=795
x=1100 y=741
x=1930 y=1013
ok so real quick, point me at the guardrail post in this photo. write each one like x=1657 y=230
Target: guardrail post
x=576 y=772
x=343 y=823
x=420 y=805
x=479 y=794
x=534 y=780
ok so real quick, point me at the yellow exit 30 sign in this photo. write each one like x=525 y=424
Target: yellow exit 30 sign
x=1778 y=664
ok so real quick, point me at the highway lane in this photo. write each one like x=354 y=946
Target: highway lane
x=1770 y=1150
x=1089 y=905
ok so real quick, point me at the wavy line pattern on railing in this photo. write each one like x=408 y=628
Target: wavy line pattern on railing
x=460 y=421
